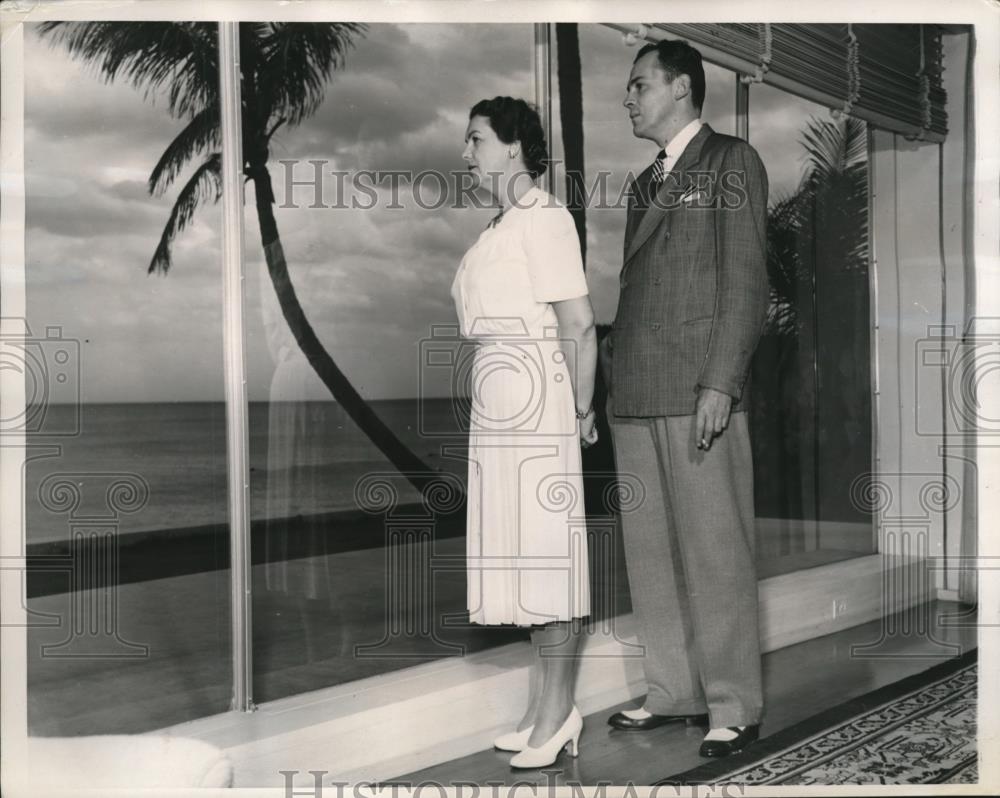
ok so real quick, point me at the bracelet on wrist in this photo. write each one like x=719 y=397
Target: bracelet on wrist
x=583 y=415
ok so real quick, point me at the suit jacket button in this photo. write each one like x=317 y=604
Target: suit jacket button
x=657 y=281
x=654 y=326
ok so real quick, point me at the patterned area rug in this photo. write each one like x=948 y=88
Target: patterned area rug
x=921 y=730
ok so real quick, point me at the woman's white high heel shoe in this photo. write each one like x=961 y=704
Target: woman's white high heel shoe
x=547 y=752
x=513 y=741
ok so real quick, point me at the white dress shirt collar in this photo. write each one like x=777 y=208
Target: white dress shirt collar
x=679 y=142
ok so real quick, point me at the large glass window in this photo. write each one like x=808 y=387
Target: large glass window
x=125 y=489
x=812 y=411
x=354 y=574
x=355 y=395
x=811 y=386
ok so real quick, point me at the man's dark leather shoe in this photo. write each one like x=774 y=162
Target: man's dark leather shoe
x=727 y=747
x=622 y=721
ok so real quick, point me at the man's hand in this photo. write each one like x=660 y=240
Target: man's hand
x=711 y=415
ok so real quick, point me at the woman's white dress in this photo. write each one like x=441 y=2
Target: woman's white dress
x=527 y=534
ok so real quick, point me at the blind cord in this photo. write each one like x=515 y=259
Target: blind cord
x=853 y=75
x=766 y=38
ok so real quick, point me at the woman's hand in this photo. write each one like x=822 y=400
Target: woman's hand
x=579 y=344
x=588 y=429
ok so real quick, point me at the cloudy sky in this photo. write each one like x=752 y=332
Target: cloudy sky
x=373 y=282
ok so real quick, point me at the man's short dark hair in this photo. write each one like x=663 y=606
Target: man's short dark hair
x=679 y=58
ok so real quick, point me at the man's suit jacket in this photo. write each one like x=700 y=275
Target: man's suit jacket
x=694 y=287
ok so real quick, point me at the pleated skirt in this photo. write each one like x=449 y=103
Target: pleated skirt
x=526 y=524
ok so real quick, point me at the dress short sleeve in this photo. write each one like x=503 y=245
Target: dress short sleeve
x=555 y=266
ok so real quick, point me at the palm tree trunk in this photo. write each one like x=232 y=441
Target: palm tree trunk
x=412 y=467
x=571 y=116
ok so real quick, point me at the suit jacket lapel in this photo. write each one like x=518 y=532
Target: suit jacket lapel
x=658 y=210
x=632 y=214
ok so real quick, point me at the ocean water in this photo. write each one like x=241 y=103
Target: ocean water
x=305 y=458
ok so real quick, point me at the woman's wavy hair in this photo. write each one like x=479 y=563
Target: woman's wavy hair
x=513 y=120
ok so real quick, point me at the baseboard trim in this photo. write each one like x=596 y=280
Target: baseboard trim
x=379 y=728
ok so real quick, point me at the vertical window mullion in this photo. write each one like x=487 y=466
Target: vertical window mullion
x=742 y=108
x=234 y=356
x=543 y=91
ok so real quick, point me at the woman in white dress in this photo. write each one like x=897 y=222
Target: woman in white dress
x=521 y=295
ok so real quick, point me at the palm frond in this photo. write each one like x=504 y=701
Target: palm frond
x=785 y=209
x=180 y=58
x=285 y=69
x=782 y=316
x=202 y=133
x=205 y=183
x=834 y=146
x=295 y=62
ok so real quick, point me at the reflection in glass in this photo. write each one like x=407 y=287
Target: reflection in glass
x=128 y=594
x=302 y=438
x=811 y=406
x=355 y=573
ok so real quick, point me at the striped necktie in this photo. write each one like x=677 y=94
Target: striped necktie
x=660 y=167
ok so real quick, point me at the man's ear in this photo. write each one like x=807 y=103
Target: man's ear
x=682 y=86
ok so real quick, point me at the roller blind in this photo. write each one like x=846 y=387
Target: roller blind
x=900 y=74
x=888 y=75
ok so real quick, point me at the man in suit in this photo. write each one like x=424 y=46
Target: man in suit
x=694 y=298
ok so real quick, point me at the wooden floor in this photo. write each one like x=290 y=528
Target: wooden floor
x=799 y=681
